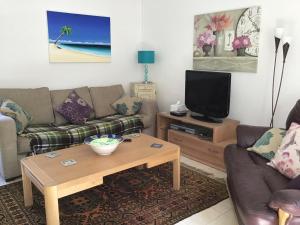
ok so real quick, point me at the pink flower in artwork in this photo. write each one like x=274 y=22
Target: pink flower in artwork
x=236 y=44
x=206 y=38
x=246 y=41
x=219 y=22
x=241 y=42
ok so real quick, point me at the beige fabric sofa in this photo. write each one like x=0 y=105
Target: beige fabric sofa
x=40 y=103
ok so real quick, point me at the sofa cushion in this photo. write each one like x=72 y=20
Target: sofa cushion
x=287 y=158
x=59 y=96
x=13 y=110
x=104 y=97
x=127 y=105
x=36 y=101
x=268 y=144
x=75 y=109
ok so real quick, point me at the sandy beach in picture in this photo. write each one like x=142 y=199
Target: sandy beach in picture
x=63 y=55
x=78 y=38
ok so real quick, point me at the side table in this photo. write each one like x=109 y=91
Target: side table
x=144 y=91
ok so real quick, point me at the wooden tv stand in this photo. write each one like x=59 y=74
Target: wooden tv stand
x=209 y=151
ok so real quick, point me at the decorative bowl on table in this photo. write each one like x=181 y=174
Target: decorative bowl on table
x=104 y=144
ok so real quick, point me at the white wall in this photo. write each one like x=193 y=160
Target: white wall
x=24 y=44
x=168 y=26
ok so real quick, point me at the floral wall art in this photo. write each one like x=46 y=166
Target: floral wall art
x=227 y=41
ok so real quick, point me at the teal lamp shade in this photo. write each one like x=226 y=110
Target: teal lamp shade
x=146 y=57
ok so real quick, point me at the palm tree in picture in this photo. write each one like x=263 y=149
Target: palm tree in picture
x=65 y=30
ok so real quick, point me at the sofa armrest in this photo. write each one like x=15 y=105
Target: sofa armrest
x=8 y=148
x=287 y=200
x=149 y=107
x=248 y=135
x=149 y=111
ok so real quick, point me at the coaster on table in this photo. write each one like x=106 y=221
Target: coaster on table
x=156 y=145
x=52 y=155
x=134 y=135
x=68 y=162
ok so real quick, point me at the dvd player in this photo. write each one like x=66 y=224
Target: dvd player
x=203 y=132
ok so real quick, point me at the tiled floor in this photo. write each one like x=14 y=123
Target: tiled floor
x=220 y=214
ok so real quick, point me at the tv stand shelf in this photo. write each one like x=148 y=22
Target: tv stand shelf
x=209 y=152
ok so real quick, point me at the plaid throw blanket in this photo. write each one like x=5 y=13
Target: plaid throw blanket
x=50 y=138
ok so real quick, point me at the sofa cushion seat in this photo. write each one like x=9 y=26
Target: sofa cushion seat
x=252 y=197
x=49 y=138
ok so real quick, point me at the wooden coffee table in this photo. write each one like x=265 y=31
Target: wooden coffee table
x=56 y=181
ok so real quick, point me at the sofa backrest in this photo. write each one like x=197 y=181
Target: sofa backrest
x=59 y=96
x=294 y=115
x=41 y=103
x=103 y=97
x=36 y=101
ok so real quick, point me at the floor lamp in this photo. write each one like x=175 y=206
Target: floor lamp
x=285 y=47
x=278 y=35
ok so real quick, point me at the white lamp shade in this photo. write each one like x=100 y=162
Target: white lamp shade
x=287 y=39
x=279 y=32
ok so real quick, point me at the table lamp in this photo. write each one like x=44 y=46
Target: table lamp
x=146 y=57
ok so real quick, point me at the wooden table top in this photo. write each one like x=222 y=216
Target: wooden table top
x=50 y=172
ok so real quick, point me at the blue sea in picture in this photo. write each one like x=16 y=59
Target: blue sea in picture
x=70 y=34
x=98 y=50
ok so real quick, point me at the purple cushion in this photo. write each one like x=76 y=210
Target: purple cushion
x=294 y=183
x=74 y=109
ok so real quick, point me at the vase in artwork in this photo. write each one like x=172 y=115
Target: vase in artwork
x=240 y=51
x=219 y=47
x=206 y=49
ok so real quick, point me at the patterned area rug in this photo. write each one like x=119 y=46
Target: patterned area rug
x=128 y=198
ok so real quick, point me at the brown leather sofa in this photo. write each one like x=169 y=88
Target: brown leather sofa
x=255 y=187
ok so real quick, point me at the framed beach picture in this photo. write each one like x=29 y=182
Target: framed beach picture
x=78 y=38
x=227 y=40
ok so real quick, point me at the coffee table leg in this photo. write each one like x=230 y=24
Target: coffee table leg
x=176 y=174
x=51 y=205
x=27 y=189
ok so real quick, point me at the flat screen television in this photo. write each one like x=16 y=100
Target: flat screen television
x=207 y=95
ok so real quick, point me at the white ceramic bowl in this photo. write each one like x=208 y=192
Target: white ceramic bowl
x=106 y=149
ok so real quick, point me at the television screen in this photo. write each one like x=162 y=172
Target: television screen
x=208 y=93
